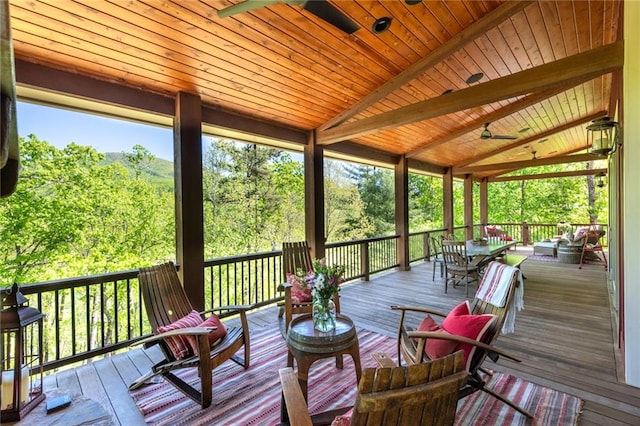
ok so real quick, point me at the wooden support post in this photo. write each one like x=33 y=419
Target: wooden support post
x=364 y=261
x=484 y=204
x=526 y=236
x=314 y=196
x=447 y=200
x=402 y=212
x=187 y=154
x=468 y=207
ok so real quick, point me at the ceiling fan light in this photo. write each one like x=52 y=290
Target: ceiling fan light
x=486 y=134
x=381 y=25
x=412 y=2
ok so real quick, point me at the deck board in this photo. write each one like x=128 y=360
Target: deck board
x=564 y=337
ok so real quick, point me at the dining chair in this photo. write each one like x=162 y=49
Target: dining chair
x=457 y=265
x=436 y=257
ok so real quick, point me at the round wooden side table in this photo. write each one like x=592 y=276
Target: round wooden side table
x=307 y=345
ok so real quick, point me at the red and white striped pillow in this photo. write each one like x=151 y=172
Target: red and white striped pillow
x=179 y=345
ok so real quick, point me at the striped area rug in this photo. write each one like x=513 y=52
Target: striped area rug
x=252 y=397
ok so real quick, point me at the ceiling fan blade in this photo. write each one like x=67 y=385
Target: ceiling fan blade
x=326 y=11
x=245 y=6
x=504 y=137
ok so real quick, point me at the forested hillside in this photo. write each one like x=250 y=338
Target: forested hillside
x=79 y=212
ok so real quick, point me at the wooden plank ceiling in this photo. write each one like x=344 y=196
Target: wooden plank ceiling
x=282 y=64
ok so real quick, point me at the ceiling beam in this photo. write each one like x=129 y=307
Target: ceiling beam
x=571 y=173
x=426 y=167
x=535 y=137
x=505 y=111
x=356 y=152
x=504 y=172
x=522 y=164
x=590 y=64
x=467 y=35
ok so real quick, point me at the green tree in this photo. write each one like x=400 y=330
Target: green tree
x=47 y=213
x=376 y=188
x=425 y=202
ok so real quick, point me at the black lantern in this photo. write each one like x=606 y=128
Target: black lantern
x=602 y=137
x=600 y=180
x=21 y=352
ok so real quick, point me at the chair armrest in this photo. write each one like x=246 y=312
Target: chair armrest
x=293 y=399
x=284 y=286
x=188 y=331
x=231 y=308
x=418 y=309
x=383 y=360
x=460 y=339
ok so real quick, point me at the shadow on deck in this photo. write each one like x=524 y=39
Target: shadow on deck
x=564 y=337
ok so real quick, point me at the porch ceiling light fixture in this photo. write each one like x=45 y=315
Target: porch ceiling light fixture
x=602 y=137
x=600 y=180
x=381 y=24
x=474 y=78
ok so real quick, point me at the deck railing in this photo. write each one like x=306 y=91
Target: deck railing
x=528 y=233
x=95 y=315
x=99 y=314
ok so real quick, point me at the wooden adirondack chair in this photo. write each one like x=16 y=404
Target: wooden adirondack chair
x=296 y=256
x=166 y=302
x=411 y=343
x=422 y=394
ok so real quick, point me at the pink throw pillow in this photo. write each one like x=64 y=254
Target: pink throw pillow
x=580 y=232
x=344 y=419
x=214 y=335
x=436 y=348
x=299 y=293
x=461 y=323
x=179 y=345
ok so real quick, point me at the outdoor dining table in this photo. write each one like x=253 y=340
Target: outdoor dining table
x=483 y=254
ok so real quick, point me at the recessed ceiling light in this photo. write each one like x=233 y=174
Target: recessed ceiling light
x=543 y=140
x=412 y=2
x=447 y=91
x=474 y=78
x=524 y=129
x=552 y=152
x=381 y=24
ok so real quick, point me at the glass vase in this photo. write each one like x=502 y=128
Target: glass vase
x=324 y=314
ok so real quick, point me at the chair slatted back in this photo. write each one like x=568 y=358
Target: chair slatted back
x=455 y=252
x=164 y=297
x=480 y=307
x=436 y=247
x=422 y=394
x=296 y=255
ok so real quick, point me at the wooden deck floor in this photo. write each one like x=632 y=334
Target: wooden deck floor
x=564 y=337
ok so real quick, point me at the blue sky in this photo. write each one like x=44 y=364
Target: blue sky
x=60 y=127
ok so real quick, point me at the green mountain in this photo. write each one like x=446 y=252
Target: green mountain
x=158 y=171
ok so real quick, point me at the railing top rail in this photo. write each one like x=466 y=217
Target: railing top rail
x=364 y=240
x=242 y=258
x=65 y=283
x=430 y=231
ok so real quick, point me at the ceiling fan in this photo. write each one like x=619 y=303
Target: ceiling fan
x=486 y=134
x=321 y=8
